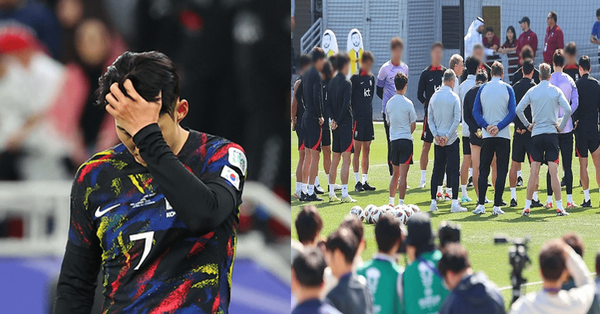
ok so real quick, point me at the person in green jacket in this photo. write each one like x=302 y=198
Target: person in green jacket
x=423 y=291
x=382 y=272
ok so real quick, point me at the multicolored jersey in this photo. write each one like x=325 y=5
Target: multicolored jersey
x=151 y=262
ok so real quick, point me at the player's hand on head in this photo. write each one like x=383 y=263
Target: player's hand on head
x=132 y=111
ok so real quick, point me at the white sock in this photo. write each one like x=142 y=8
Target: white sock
x=449 y=191
x=327 y=175
x=586 y=193
x=527 y=204
x=423 y=173
x=455 y=203
x=364 y=177
x=513 y=193
x=559 y=204
x=470 y=172
x=563 y=173
x=356 y=177
x=549 y=199
x=570 y=198
x=317 y=181
x=433 y=202
x=464 y=190
x=331 y=190
x=401 y=201
x=305 y=188
x=392 y=200
x=535 y=196
x=311 y=189
x=519 y=173
x=439 y=189
x=344 y=190
x=445 y=181
x=298 y=187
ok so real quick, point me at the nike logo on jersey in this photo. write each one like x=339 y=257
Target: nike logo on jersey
x=362 y=83
x=99 y=213
x=431 y=80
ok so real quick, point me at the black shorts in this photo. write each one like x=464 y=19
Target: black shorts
x=325 y=134
x=300 y=135
x=586 y=141
x=544 y=147
x=521 y=145
x=466 y=146
x=426 y=135
x=312 y=133
x=363 y=130
x=475 y=140
x=402 y=151
x=342 y=139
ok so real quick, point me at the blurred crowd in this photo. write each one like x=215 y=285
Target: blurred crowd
x=329 y=275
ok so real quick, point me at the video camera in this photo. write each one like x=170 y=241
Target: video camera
x=518 y=259
x=448 y=233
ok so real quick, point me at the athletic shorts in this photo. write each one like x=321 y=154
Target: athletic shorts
x=325 y=134
x=363 y=130
x=402 y=151
x=586 y=141
x=426 y=135
x=466 y=146
x=474 y=140
x=521 y=145
x=312 y=133
x=544 y=147
x=342 y=139
x=300 y=135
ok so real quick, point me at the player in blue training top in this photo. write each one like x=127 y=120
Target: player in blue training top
x=158 y=213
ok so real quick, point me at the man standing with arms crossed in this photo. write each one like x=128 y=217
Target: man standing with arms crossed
x=429 y=82
x=565 y=138
x=312 y=122
x=444 y=114
x=494 y=110
x=544 y=99
x=386 y=88
x=586 y=133
x=554 y=37
x=363 y=87
x=340 y=93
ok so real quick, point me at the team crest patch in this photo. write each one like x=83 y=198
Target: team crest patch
x=237 y=159
x=231 y=176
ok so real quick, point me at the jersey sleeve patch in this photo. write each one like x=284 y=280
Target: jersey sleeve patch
x=231 y=176
x=237 y=159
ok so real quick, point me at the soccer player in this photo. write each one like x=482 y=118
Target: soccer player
x=466 y=171
x=340 y=93
x=571 y=66
x=363 y=87
x=565 y=137
x=159 y=212
x=312 y=122
x=429 y=82
x=384 y=276
x=458 y=66
x=327 y=74
x=494 y=110
x=402 y=119
x=554 y=37
x=586 y=132
x=297 y=112
x=474 y=129
x=521 y=137
x=526 y=53
x=444 y=117
x=544 y=99
x=386 y=88
x=479 y=54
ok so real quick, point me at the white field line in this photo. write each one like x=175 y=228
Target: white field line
x=534 y=283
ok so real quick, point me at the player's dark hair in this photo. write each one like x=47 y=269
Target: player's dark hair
x=387 y=232
x=317 y=54
x=512 y=29
x=526 y=52
x=489 y=29
x=332 y=60
x=327 y=70
x=308 y=223
x=558 y=58
x=400 y=80
x=344 y=240
x=304 y=60
x=552 y=260
x=481 y=77
x=575 y=242
x=527 y=66
x=437 y=44
x=571 y=49
x=455 y=259
x=396 y=42
x=584 y=63
x=341 y=61
x=355 y=225
x=497 y=69
x=367 y=56
x=150 y=73
x=554 y=16
x=598 y=13
x=472 y=65
x=309 y=267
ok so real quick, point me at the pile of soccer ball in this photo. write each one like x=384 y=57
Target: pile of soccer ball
x=371 y=213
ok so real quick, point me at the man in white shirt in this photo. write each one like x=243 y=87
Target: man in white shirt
x=472 y=66
x=557 y=261
x=401 y=117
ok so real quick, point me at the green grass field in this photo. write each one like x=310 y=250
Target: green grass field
x=477 y=231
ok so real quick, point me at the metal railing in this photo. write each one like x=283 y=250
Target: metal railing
x=312 y=37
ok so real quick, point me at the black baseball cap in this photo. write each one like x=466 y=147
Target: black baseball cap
x=419 y=230
x=525 y=19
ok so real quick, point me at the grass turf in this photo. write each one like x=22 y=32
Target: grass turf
x=477 y=231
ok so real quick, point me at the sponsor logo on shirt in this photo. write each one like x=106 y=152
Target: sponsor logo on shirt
x=237 y=159
x=367 y=92
x=231 y=176
x=145 y=201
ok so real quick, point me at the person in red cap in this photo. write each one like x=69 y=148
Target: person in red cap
x=554 y=38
